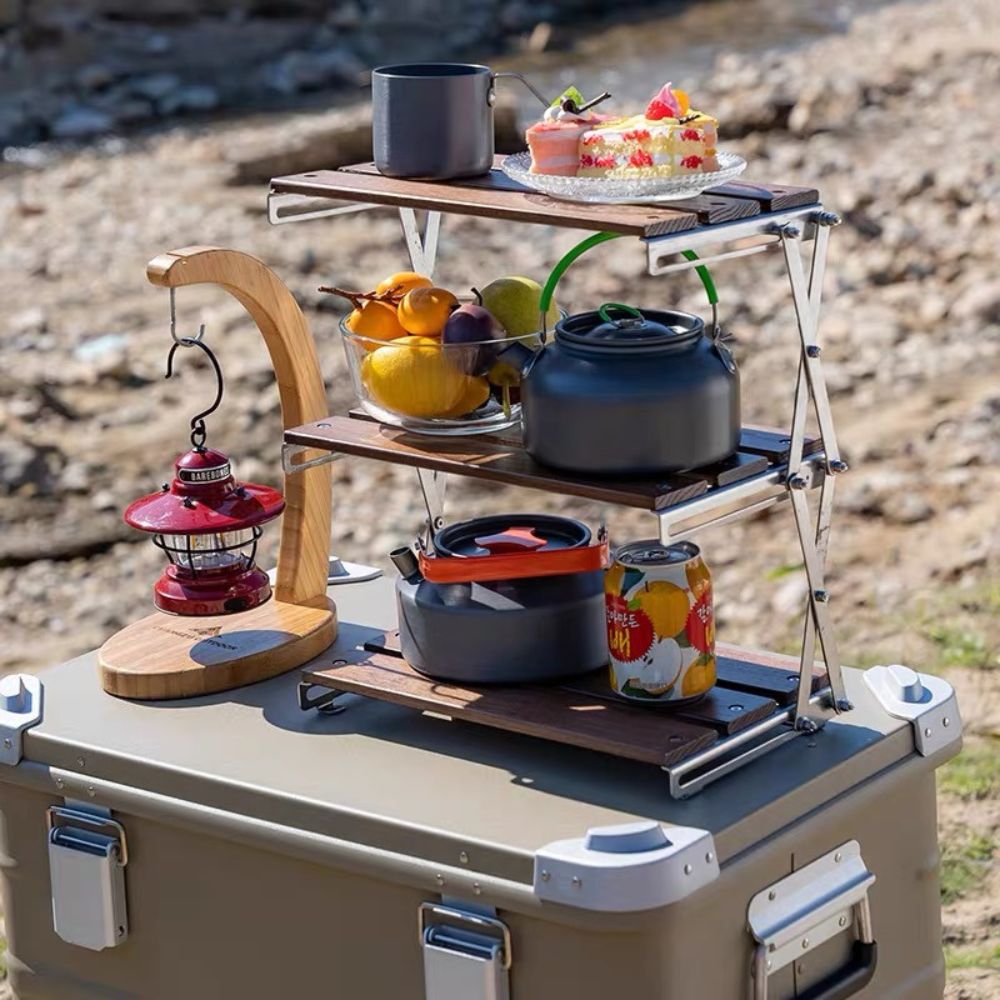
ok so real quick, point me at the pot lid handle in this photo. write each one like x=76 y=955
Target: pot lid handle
x=633 y=314
x=511 y=540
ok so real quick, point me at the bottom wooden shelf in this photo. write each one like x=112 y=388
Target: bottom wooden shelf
x=581 y=711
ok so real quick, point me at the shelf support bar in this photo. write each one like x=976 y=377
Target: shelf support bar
x=811 y=387
x=422 y=249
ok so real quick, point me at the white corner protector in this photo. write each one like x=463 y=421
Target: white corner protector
x=925 y=701
x=20 y=709
x=621 y=869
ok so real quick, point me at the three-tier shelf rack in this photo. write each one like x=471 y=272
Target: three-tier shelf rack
x=762 y=700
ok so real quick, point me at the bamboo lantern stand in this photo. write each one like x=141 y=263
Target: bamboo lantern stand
x=166 y=656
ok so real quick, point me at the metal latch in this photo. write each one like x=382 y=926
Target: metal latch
x=809 y=907
x=88 y=852
x=927 y=702
x=467 y=956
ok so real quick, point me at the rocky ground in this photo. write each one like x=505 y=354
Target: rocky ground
x=895 y=123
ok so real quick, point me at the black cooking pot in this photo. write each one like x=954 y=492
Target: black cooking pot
x=504 y=599
x=625 y=391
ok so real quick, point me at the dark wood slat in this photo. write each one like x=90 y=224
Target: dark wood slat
x=542 y=711
x=770 y=197
x=725 y=711
x=747 y=691
x=713 y=209
x=773 y=444
x=775 y=682
x=489 y=197
x=740 y=466
x=481 y=458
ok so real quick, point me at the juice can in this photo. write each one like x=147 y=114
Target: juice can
x=661 y=622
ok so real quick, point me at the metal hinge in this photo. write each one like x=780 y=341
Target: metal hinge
x=20 y=709
x=626 y=868
x=790 y=918
x=467 y=955
x=927 y=702
x=88 y=852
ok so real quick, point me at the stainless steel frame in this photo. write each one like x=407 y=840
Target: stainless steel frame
x=786 y=230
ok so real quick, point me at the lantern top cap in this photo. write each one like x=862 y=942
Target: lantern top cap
x=201 y=459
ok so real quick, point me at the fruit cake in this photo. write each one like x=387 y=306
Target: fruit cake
x=554 y=142
x=667 y=140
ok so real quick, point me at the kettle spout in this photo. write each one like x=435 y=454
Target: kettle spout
x=405 y=561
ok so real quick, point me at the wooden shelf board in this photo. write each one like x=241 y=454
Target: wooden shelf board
x=502 y=458
x=580 y=711
x=495 y=196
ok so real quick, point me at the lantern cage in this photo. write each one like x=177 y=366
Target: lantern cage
x=208 y=526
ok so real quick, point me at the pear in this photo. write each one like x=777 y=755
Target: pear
x=514 y=302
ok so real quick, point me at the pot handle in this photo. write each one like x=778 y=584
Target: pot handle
x=516 y=76
x=592 y=241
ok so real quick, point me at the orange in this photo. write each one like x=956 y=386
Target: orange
x=376 y=320
x=402 y=282
x=667 y=606
x=424 y=311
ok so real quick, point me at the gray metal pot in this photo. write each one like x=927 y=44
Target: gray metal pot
x=623 y=391
x=527 y=628
x=435 y=120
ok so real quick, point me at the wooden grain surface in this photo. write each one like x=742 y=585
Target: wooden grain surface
x=544 y=711
x=495 y=196
x=503 y=459
x=166 y=656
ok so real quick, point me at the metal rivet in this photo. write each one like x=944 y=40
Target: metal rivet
x=927 y=731
x=91 y=791
x=800 y=968
x=439 y=879
x=791 y=677
x=324 y=424
x=545 y=875
x=842 y=921
x=946 y=722
x=797 y=483
x=838 y=857
x=709 y=857
x=769 y=964
x=8 y=742
x=838 y=466
x=463 y=856
x=81 y=761
x=736 y=708
x=772 y=895
x=59 y=782
x=477 y=888
x=805 y=943
x=821 y=596
x=577 y=881
x=688 y=869
x=814 y=350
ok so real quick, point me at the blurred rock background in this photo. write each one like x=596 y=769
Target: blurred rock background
x=130 y=129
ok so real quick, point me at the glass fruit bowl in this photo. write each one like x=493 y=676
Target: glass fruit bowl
x=434 y=388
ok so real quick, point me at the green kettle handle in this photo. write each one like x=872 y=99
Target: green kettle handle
x=591 y=241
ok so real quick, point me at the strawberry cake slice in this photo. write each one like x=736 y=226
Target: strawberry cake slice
x=667 y=140
x=554 y=142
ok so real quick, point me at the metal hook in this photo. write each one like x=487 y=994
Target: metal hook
x=182 y=341
x=198 y=420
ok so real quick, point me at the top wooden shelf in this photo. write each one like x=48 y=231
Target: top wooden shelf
x=495 y=196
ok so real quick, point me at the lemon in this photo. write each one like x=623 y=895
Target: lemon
x=667 y=606
x=477 y=391
x=412 y=376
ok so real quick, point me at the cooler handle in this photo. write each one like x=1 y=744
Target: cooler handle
x=850 y=978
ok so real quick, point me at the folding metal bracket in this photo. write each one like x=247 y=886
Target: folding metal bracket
x=792 y=917
x=20 y=709
x=422 y=249
x=284 y=208
x=433 y=487
x=289 y=453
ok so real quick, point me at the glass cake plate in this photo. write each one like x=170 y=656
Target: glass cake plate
x=639 y=190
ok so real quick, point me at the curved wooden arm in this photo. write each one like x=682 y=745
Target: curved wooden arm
x=305 y=530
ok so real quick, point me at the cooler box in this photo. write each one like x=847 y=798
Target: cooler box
x=235 y=845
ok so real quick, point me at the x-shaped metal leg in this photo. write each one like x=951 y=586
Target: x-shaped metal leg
x=422 y=249
x=814 y=542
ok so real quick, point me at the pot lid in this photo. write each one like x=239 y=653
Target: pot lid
x=615 y=326
x=502 y=534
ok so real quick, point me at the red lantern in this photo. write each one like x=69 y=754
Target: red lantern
x=208 y=525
